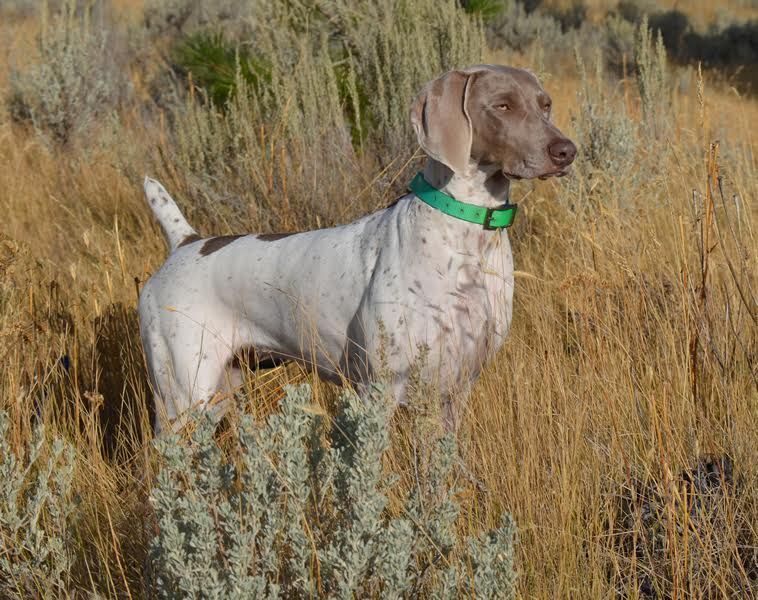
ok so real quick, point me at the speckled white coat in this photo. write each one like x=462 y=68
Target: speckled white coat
x=339 y=300
x=320 y=297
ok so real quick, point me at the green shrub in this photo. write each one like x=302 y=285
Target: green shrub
x=390 y=49
x=396 y=49
x=287 y=140
x=486 y=9
x=297 y=509
x=73 y=82
x=35 y=515
x=339 y=81
x=215 y=65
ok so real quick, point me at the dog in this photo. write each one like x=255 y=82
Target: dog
x=432 y=271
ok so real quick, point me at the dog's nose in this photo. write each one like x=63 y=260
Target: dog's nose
x=562 y=152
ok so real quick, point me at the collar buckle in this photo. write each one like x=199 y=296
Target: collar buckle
x=488 y=212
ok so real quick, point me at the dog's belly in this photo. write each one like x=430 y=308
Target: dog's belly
x=296 y=296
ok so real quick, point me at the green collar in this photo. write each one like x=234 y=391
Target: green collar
x=488 y=218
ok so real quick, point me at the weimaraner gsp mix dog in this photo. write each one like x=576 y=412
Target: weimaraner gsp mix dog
x=426 y=270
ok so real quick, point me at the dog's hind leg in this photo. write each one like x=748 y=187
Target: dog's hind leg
x=188 y=376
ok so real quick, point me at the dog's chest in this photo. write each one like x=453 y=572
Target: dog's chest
x=483 y=295
x=457 y=285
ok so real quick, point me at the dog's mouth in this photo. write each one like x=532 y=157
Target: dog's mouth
x=557 y=173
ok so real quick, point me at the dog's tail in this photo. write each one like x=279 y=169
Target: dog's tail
x=172 y=221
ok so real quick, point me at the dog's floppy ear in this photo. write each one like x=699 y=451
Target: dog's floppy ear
x=441 y=120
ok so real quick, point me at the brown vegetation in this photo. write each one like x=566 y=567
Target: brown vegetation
x=617 y=425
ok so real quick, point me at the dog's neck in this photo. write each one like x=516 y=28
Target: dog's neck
x=484 y=186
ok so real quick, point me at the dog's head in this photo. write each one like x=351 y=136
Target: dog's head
x=490 y=114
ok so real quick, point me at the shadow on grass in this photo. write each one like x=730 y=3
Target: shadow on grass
x=127 y=413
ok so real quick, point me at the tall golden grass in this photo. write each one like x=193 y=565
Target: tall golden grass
x=631 y=360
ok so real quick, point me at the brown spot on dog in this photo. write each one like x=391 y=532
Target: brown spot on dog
x=193 y=237
x=216 y=243
x=272 y=237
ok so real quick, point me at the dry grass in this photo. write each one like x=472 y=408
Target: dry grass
x=632 y=357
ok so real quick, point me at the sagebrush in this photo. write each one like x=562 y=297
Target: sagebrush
x=300 y=509
x=36 y=511
x=74 y=81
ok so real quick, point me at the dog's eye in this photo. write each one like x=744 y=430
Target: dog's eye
x=547 y=106
x=503 y=107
